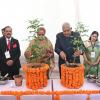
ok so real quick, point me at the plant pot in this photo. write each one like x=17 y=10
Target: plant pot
x=72 y=77
x=36 y=77
x=72 y=65
x=35 y=65
x=18 y=80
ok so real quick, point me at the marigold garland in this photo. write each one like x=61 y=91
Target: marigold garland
x=36 y=78
x=56 y=97
x=31 y=71
x=55 y=93
x=88 y=98
x=72 y=77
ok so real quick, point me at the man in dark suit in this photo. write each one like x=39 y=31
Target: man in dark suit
x=9 y=54
x=64 y=46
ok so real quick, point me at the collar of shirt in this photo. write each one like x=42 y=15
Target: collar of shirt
x=7 y=40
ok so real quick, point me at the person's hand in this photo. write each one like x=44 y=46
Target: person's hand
x=63 y=55
x=27 y=54
x=90 y=63
x=94 y=63
x=77 y=53
x=9 y=62
x=50 y=54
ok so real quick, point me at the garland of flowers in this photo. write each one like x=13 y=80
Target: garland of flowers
x=36 y=77
x=55 y=93
x=72 y=77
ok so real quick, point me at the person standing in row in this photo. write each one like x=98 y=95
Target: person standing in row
x=44 y=47
x=64 y=46
x=92 y=57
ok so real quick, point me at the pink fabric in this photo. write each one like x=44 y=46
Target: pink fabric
x=8 y=44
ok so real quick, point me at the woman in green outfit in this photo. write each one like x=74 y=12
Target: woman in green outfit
x=92 y=54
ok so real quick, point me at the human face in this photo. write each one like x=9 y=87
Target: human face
x=94 y=37
x=41 y=33
x=66 y=31
x=8 y=32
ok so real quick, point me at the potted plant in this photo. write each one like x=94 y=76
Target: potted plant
x=35 y=70
x=73 y=73
x=37 y=50
x=18 y=80
x=81 y=28
x=78 y=43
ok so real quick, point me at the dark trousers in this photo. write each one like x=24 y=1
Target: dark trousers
x=11 y=70
x=59 y=65
x=60 y=70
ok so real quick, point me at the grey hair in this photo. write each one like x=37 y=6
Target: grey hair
x=7 y=27
x=66 y=24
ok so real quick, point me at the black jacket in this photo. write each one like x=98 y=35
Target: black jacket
x=66 y=44
x=14 y=52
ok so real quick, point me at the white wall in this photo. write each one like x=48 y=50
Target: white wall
x=16 y=13
x=53 y=12
x=90 y=14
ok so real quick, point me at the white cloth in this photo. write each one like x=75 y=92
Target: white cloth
x=86 y=86
x=10 y=86
x=56 y=87
x=7 y=97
